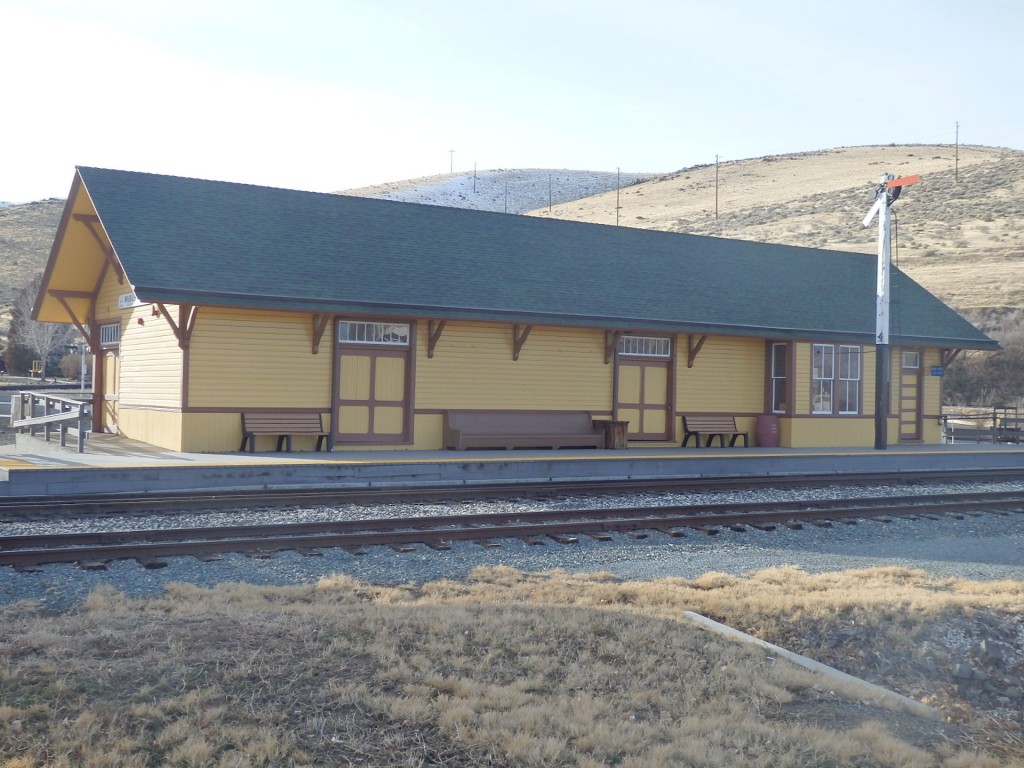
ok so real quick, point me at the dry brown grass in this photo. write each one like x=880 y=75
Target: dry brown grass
x=959 y=233
x=504 y=669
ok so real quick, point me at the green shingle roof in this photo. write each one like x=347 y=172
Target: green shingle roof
x=201 y=242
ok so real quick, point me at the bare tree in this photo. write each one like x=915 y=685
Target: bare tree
x=42 y=338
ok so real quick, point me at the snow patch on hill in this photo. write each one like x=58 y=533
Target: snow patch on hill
x=502 y=190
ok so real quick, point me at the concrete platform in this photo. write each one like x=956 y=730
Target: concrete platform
x=112 y=464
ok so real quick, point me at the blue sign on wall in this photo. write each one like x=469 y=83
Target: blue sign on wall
x=938 y=370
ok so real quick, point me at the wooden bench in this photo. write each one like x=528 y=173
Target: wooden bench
x=713 y=426
x=521 y=429
x=283 y=425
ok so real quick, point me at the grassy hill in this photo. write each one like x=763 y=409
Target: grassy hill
x=26 y=234
x=958 y=232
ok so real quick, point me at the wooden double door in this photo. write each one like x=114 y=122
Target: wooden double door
x=373 y=384
x=643 y=393
x=909 y=396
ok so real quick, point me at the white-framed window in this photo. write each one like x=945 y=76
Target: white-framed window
x=110 y=335
x=392 y=334
x=645 y=346
x=822 y=375
x=910 y=360
x=835 y=384
x=780 y=378
x=849 y=379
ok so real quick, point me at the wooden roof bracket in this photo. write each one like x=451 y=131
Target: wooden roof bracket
x=434 y=330
x=611 y=343
x=185 y=323
x=949 y=355
x=319 y=327
x=519 y=338
x=694 y=349
x=91 y=222
x=81 y=323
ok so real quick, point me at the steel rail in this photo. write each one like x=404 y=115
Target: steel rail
x=438 y=530
x=111 y=503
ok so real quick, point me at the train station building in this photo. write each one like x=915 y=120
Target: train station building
x=204 y=300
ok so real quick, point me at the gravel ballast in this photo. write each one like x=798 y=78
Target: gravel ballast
x=985 y=547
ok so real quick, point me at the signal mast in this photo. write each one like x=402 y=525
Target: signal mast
x=884 y=195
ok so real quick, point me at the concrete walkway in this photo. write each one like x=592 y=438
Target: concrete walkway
x=113 y=464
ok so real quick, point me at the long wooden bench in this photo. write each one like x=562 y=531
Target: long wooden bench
x=712 y=427
x=521 y=429
x=283 y=425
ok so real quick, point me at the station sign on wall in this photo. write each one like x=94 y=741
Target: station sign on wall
x=128 y=300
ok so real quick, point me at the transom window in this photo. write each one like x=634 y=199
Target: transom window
x=911 y=360
x=645 y=346
x=110 y=335
x=394 y=334
x=835 y=388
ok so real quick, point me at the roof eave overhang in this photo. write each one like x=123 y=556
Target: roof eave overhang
x=630 y=322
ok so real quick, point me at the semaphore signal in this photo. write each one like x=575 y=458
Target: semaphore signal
x=887 y=192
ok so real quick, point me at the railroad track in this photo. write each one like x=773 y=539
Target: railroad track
x=150 y=547
x=44 y=507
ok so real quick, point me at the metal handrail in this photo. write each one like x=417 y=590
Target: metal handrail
x=33 y=410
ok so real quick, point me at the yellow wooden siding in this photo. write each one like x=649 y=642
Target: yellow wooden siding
x=655 y=385
x=387 y=420
x=428 y=432
x=107 y=298
x=654 y=421
x=111 y=401
x=250 y=359
x=389 y=379
x=632 y=415
x=160 y=428
x=76 y=267
x=152 y=363
x=728 y=375
x=629 y=383
x=355 y=377
x=472 y=367
x=354 y=419
x=867 y=404
x=829 y=433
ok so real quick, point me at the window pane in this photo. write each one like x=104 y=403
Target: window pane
x=849 y=397
x=779 y=395
x=849 y=363
x=779 y=360
x=821 y=400
x=779 y=380
x=822 y=363
x=374 y=333
x=645 y=346
x=110 y=335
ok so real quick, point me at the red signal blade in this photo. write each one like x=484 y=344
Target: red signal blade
x=903 y=181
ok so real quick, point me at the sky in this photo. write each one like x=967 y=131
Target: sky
x=327 y=95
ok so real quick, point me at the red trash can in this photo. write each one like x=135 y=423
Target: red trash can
x=766 y=430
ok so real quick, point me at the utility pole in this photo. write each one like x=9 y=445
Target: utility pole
x=716 y=187
x=618 y=183
x=885 y=195
x=956 y=166
x=451 y=161
x=474 y=177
